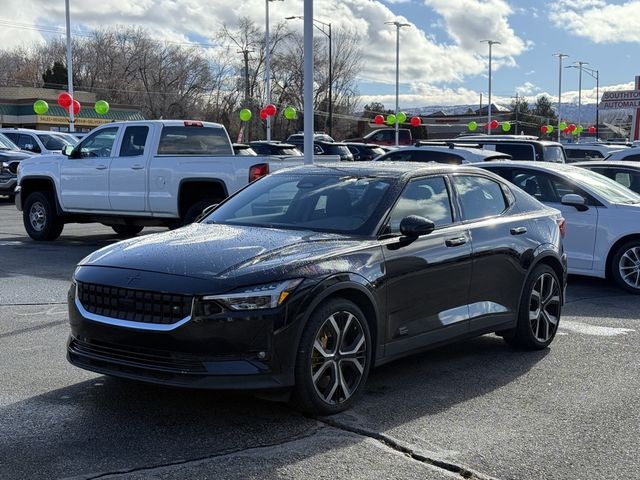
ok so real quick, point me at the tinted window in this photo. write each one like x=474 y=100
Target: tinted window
x=518 y=151
x=337 y=150
x=329 y=203
x=554 y=153
x=479 y=197
x=133 y=141
x=632 y=158
x=426 y=197
x=629 y=179
x=98 y=144
x=28 y=140
x=53 y=142
x=536 y=184
x=194 y=141
x=11 y=136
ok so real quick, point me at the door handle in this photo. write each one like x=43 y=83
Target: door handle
x=455 y=242
x=518 y=230
x=137 y=166
x=101 y=167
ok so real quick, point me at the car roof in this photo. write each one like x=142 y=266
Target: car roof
x=592 y=146
x=361 y=144
x=379 y=169
x=624 y=153
x=273 y=143
x=606 y=163
x=502 y=139
x=476 y=152
x=544 y=166
x=25 y=130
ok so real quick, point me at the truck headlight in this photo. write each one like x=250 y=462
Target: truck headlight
x=257 y=297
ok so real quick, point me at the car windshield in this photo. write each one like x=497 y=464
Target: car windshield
x=336 y=149
x=70 y=139
x=6 y=144
x=53 y=142
x=607 y=188
x=335 y=202
x=554 y=153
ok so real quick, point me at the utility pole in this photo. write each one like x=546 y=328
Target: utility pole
x=517 y=108
x=245 y=54
x=491 y=43
x=398 y=26
x=72 y=127
x=560 y=57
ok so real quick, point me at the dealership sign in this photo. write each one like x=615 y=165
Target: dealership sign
x=625 y=99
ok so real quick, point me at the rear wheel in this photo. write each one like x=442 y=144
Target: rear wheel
x=127 y=230
x=539 y=312
x=196 y=209
x=625 y=267
x=333 y=358
x=40 y=218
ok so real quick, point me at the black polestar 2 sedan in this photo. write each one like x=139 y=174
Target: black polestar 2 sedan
x=308 y=278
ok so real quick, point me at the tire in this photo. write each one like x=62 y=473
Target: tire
x=339 y=382
x=625 y=267
x=127 y=230
x=40 y=218
x=196 y=209
x=539 y=312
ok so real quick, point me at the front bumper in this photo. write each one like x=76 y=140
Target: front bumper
x=228 y=351
x=8 y=184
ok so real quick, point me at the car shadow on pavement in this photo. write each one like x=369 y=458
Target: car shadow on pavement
x=107 y=424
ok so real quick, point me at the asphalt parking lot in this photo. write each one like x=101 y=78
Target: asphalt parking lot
x=476 y=409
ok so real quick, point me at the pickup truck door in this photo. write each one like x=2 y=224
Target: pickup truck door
x=84 y=175
x=128 y=170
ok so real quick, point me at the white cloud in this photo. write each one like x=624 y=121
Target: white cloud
x=527 y=88
x=598 y=20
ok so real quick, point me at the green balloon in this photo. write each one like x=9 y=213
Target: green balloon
x=40 y=107
x=579 y=128
x=575 y=132
x=245 y=114
x=401 y=117
x=549 y=128
x=290 y=113
x=101 y=107
x=472 y=126
x=562 y=125
x=391 y=119
x=506 y=126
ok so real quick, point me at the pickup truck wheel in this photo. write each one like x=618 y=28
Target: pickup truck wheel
x=39 y=217
x=127 y=230
x=196 y=209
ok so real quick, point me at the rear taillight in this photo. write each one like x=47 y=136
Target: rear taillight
x=562 y=225
x=257 y=171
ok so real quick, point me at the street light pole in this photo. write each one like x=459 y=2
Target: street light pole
x=560 y=57
x=491 y=43
x=69 y=67
x=398 y=27
x=307 y=106
x=580 y=65
x=327 y=33
x=267 y=64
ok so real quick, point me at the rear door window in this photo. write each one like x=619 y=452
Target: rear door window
x=425 y=197
x=178 y=140
x=480 y=197
x=518 y=151
x=134 y=140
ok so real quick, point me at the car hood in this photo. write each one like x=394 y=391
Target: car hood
x=6 y=155
x=223 y=252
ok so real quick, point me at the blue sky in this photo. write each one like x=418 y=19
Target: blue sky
x=442 y=60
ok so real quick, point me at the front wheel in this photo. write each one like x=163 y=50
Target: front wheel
x=333 y=360
x=539 y=312
x=625 y=267
x=40 y=218
x=127 y=230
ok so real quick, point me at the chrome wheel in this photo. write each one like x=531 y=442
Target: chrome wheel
x=37 y=216
x=544 y=307
x=629 y=267
x=338 y=357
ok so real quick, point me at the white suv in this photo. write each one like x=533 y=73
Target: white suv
x=442 y=152
x=578 y=152
x=626 y=155
x=41 y=142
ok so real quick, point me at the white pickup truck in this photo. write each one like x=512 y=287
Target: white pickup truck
x=128 y=175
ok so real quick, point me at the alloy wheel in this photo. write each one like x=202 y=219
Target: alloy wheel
x=629 y=267
x=338 y=357
x=37 y=216
x=544 y=307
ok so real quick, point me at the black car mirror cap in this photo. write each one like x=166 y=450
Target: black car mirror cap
x=415 y=226
x=575 y=200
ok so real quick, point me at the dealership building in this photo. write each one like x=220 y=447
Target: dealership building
x=16 y=110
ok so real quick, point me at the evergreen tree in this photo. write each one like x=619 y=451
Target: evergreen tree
x=55 y=77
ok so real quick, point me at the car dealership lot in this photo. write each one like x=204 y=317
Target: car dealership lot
x=477 y=407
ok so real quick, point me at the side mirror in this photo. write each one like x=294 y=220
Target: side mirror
x=574 y=200
x=206 y=212
x=67 y=150
x=415 y=226
x=29 y=147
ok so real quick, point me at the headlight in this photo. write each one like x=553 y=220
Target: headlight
x=257 y=297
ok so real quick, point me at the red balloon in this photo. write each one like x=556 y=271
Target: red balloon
x=571 y=127
x=270 y=109
x=415 y=121
x=543 y=129
x=76 y=107
x=64 y=100
x=592 y=130
x=486 y=126
x=263 y=114
x=378 y=120
x=494 y=124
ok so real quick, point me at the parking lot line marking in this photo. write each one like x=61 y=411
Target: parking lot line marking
x=595 y=330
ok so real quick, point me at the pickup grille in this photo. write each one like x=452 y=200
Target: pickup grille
x=134 y=305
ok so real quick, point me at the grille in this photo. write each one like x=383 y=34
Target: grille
x=134 y=305
x=136 y=357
